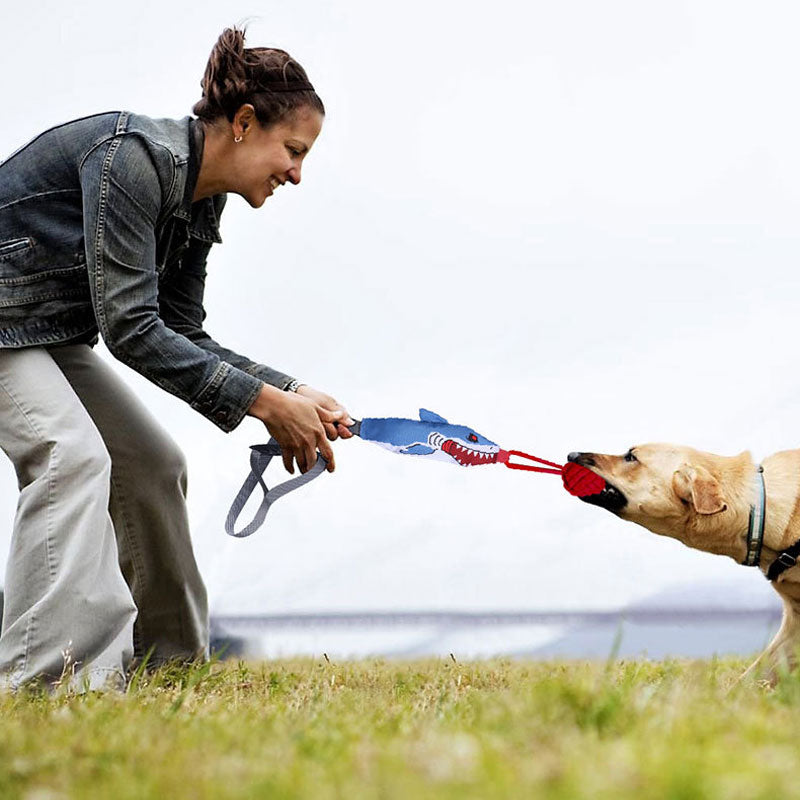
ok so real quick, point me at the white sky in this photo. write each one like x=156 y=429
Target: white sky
x=569 y=225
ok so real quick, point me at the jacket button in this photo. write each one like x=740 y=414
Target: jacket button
x=221 y=416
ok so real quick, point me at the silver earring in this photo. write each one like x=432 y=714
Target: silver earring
x=237 y=139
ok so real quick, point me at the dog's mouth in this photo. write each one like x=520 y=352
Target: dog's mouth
x=609 y=497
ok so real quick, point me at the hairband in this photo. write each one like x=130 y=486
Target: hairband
x=288 y=86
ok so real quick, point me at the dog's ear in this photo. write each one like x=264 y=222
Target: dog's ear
x=696 y=485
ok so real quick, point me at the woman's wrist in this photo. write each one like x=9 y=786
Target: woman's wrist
x=264 y=404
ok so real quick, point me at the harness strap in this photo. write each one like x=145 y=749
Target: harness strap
x=260 y=456
x=786 y=560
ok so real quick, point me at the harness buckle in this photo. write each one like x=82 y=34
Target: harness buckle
x=787 y=560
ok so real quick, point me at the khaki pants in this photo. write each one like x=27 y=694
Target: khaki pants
x=101 y=529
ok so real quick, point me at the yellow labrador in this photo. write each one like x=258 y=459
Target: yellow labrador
x=724 y=505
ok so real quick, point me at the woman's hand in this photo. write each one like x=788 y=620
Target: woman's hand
x=324 y=401
x=296 y=423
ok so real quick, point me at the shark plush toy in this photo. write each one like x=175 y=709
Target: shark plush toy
x=431 y=436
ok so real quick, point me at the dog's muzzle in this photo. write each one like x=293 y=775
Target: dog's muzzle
x=610 y=498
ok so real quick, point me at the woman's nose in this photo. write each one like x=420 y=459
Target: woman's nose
x=293 y=175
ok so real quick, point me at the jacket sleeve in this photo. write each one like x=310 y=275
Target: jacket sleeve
x=122 y=199
x=180 y=301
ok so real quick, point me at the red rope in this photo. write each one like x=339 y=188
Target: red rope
x=578 y=480
x=504 y=457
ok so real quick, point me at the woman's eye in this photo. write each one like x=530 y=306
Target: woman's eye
x=629 y=456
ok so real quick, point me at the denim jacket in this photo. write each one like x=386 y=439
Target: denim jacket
x=98 y=234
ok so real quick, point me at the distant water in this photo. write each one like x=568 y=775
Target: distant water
x=648 y=630
x=644 y=632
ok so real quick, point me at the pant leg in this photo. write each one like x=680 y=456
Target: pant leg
x=148 y=506
x=65 y=597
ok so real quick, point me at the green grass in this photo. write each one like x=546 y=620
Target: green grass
x=428 y=729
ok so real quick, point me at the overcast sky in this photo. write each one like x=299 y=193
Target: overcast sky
x=569 y=225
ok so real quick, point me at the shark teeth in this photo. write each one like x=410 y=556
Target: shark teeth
x=466 y=456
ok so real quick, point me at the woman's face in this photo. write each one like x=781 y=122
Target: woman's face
x=266 y=158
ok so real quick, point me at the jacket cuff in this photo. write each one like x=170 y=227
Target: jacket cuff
x=270 y=376
x=227 y=397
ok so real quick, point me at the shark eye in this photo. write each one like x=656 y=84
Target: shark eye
x=629 y=456
x=472 y=437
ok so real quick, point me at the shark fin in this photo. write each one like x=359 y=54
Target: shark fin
x=418 y=450
x=429 y=416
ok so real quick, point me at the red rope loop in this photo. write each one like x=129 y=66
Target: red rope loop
x=505 y=455
x=578 y=480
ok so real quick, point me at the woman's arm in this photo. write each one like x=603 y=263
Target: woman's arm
x=181 y=307
x=122 y=198
x=180 y=303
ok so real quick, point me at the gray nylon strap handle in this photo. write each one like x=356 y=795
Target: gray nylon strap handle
x=260 y=456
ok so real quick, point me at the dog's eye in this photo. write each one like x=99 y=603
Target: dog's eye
x=629 y=456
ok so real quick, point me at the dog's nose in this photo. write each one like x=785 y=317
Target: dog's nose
x=584 y=459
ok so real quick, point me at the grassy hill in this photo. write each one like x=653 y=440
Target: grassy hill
x=433 y=729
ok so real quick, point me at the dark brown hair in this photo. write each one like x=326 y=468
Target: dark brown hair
x=270 y=79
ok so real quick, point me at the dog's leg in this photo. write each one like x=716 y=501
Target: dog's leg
x=781 y=651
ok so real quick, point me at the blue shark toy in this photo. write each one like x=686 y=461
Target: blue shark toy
x=431 y=436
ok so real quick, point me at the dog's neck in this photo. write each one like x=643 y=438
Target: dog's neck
x=782 y=479
x=737 y=478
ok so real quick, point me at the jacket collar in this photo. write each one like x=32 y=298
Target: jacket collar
x=202 y=216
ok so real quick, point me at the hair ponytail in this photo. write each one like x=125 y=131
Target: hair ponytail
x=268 y=78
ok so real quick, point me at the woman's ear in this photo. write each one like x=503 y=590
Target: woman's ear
x=243 y=119
x=696 y=485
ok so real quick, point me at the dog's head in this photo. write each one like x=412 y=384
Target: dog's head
x=674 y=491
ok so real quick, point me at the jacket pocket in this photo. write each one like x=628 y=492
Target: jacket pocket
x=23 y=262
x=13 y=247
x=31 y=274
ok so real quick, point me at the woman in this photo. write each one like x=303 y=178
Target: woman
x=105 y=226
